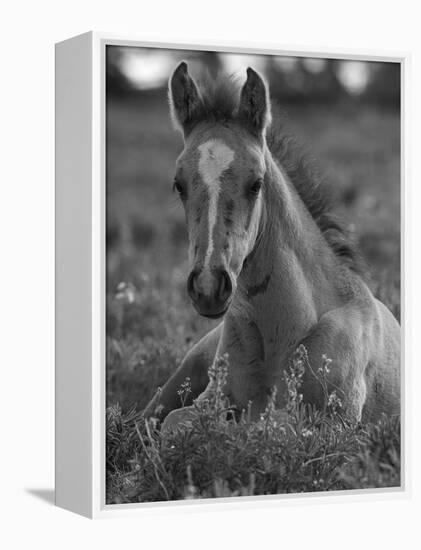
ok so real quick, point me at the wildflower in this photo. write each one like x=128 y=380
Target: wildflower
x=218 y=374
x=268 y=415
x=184 y=391
x=334 y=402
x=218 y=371
x=185 y=386
x=294 y=376
x=326 y=359
x=126 y=292
x=325 y=368
x=216 y=404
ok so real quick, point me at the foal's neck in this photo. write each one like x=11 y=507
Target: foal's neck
x=289 y=278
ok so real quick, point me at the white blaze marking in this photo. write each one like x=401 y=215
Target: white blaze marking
x=215 y=158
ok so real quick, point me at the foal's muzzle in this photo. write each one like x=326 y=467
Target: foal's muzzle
x=210 y=291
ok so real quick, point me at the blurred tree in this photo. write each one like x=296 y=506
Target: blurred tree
x=306 y=80
x=292 y=79
x=117 y=83
x=384 y=86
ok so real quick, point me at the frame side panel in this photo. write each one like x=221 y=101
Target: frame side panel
x=73 y=82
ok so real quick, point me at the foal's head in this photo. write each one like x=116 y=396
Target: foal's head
x=219 y=176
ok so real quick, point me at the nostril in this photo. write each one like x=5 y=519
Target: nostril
x=192 y=285
x=225 y=286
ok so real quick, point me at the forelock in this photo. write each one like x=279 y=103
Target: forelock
x=220 y=98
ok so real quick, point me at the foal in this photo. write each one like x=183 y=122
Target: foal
x=267 y=258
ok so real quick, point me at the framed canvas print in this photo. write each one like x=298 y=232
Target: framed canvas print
x=228 y=271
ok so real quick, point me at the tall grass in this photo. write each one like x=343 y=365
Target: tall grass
x=211 y=454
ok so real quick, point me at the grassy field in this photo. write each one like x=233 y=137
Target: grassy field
x=151 y=324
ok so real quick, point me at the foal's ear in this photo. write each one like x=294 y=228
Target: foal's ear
x=185 y=102
x=254 y=108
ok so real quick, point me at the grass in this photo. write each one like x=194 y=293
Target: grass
x=151 y=324
x=213 y=455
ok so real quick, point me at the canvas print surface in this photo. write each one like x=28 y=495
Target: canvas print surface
x=253 y=275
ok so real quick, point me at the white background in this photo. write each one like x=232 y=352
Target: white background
x=28 y=32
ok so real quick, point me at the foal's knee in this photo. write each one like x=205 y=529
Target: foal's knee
x=179 y=419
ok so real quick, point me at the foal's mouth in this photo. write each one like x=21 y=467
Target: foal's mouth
x=212 y=314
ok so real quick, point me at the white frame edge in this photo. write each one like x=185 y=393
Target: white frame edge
x=80 y=278
x=73 y=170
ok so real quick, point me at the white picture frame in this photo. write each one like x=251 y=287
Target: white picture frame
x=80 y=275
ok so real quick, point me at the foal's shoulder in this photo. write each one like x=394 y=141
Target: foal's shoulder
x=352 y=289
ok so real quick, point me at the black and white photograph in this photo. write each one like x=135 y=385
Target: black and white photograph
x=210 y=275
x=253 y=268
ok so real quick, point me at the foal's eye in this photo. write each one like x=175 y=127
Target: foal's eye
x=255 y=187
x=178 y=187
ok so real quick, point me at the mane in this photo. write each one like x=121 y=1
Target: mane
x=220 y=101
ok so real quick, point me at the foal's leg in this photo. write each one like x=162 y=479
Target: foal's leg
x=195 y=366
x=343 y=335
